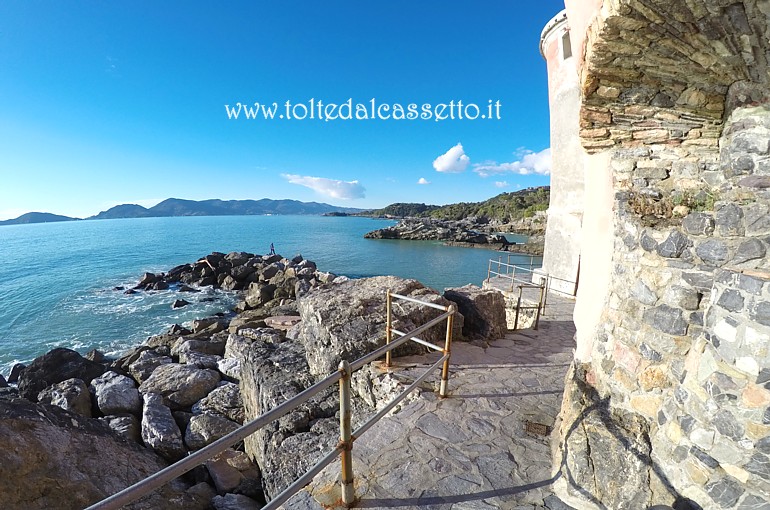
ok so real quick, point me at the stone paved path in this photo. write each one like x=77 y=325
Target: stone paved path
x=470 y=450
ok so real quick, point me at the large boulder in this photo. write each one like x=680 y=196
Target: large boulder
x=71 y=395
x=483 y=311
x=285 y=449
x=126 y=425
x=225 y=400
x=180 y=385
x=146 y=363
x=233 y=471
x=347 y=320
x=159 y=429
x=56 y=459
x=204 y=429
x=54 y=367
x=116 y=394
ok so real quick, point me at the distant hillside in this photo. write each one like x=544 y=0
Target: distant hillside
x=503 y=208
x=180 y=207
x=37 y=217
x=122 y=211
x=216 y=207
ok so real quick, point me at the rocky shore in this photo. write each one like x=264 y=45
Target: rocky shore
x=93 y=425
x=469 y=232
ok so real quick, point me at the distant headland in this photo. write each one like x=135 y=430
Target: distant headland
x=181 y=207
x=505 y=208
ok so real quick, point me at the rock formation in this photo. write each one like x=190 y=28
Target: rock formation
x=189 y=386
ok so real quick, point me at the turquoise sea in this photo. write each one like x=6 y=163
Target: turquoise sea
x=57 y=279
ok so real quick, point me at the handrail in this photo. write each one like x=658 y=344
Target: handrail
x=343 y=448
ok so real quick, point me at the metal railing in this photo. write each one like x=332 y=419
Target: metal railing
x=524 y=280
x=345 y=445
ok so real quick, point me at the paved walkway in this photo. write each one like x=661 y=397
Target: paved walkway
x=480 y=448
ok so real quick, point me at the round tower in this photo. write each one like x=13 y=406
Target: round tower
x=561 y=258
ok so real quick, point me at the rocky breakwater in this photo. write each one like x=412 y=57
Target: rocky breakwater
x=429 y=229
x=70 y=418
x=470 y=232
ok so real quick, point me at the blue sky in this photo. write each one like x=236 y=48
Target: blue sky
x=103 y=103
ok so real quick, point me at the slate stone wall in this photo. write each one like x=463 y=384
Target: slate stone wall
x=678 y=386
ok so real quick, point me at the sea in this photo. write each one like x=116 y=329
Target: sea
x=59 y=281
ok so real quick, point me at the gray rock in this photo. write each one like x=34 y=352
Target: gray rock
x=755 y=181
x=116 y=394
x=233 y=471
x=259 y=293
x=224 y=400
x=643 y=293
x=347 y=320
x=71 y=395
x=234 y=502
x=751 y=249
x=230 y=368
x=713 y=252
x=159 y=429
x=729 y=220
x=127 y=426
x=674 y=245
x=208 y=346
x=179 y=303
x=145 y=365
x=271 y=374
x=649 y=353
x=727 y=425
x=204 y=429
x=647 y=242
x=701 y=281
x=752 y=502
x=69 y=462
x=750 y=284
x=681 y=297
x=54 y=367
x=700 y=224
x=666 y=319
x=483 y=311
x=16 y=370
x=762 y=313
x=725 y=492
x=731 y=300
x=180 y=385
x=759 y=464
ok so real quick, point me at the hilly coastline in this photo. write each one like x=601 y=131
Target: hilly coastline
x=180 y=207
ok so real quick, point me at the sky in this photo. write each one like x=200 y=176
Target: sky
x=106 y=103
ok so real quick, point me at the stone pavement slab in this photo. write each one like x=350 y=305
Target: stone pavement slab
x=480 y=448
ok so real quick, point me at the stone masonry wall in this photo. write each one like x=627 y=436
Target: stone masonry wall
x=674 y=405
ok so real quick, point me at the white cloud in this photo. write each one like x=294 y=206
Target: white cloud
x=423 y=180
x=344 y=190
x=453 y=161
x=501 y=184
x=528 y=162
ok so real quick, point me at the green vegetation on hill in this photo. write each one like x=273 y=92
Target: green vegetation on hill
x=504 y=208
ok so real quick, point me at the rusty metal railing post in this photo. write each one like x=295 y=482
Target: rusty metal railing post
x=388 y=327
x=447 y=351
x=518 y=306
x=539 y=305
x=346 y=443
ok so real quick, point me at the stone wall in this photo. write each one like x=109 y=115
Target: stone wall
x=668 y=399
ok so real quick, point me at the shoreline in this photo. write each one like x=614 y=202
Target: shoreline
x=186 y=387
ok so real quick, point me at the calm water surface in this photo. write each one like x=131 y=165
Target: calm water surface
x=57 y=279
